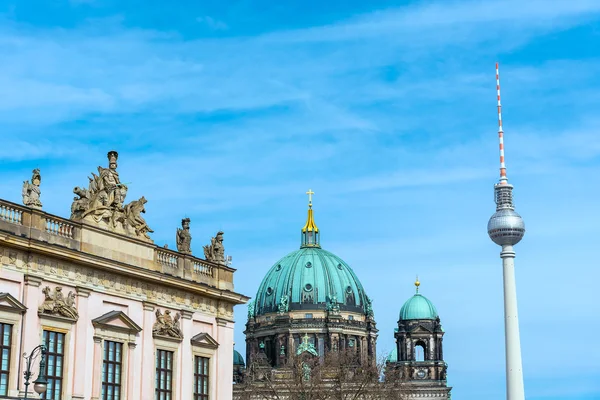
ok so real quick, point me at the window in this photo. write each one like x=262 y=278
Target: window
x=164 y=375
x=111 y=370
x=201 y=378
x=350 y=317
x=5 y=342
x=308 y=315
x=55 y=354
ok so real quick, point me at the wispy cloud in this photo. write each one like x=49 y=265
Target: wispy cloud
x=212 y=23
x=388 y=115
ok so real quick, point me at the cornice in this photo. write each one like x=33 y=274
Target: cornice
x=93 y=261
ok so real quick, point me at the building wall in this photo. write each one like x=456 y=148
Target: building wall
x=137 y=286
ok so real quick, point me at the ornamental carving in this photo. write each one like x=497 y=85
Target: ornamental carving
x=31 y=191
x=56 y=304
x=184 y=238
x=166 y=325
x=102 y=203
x=215 y=251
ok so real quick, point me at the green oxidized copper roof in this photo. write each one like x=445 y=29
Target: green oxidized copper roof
x=418 y=307
x=238 y=359
x=310 y=272
x=311 y=278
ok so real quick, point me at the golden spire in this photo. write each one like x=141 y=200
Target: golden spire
x=417 y=283
x=310 y=225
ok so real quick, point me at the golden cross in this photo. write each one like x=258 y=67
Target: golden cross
x=310 y=193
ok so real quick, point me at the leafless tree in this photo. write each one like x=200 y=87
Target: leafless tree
x=336 y=376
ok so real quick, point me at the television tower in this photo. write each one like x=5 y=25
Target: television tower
x=506 y=228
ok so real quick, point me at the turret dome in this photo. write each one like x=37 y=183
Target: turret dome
x=238 y=360
x=418 y=307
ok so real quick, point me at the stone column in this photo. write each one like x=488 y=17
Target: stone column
x=97 y=368
x=31 y=335
x=432 y=349
x=146 y=390
x=79 y=376
x=131 y=366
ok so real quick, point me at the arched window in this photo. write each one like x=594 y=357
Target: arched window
x=419 y=351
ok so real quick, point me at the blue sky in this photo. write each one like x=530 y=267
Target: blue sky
x=228 y=111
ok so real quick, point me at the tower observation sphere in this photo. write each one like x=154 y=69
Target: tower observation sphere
x=505 y=227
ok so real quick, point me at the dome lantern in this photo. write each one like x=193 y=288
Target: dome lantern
x=310 y=231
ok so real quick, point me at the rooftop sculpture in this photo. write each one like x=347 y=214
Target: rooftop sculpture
x=101 y=204
x=215 y=251
x=184 y=238
x=31 y=191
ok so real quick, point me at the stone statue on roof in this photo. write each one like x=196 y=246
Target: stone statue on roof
x=31 y=191
x=184 y=238
x=102 y=203
x=215 y=251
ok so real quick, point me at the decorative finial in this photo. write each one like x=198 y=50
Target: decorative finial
x=310 y=193
x=417 y=283
x=310 y=231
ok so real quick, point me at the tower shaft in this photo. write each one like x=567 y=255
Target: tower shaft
x=515 y=389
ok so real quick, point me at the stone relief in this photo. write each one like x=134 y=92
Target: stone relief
x=102 y=203
x=113 y=283
x=166 y=325
x=215 y=251
x=56 y=304
x=31 y=191
x=184 y=238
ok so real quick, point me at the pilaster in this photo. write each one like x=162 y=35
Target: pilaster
x=97 y=367
x=79 y=380
x=146 y=389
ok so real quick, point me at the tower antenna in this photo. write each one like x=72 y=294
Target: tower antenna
x=503 y=178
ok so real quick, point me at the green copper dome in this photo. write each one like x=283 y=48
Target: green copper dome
x=237 y=358
x=418 y=307
x=310 y=278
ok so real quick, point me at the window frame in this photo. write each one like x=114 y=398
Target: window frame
x=200 y=378
x=167 y=392
x=6 y=372
x=117 y=387
x=53 y=352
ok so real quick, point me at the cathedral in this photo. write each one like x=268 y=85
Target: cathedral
x=310 y=305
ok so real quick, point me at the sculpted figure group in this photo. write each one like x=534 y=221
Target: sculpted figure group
x=102 y=203
x=166 y=325
x=56 y=304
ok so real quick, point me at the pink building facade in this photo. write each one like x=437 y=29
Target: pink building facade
x=121 y=318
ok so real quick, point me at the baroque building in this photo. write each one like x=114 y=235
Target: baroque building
x=311 y=305
x=310 y=293
x=119 y=317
